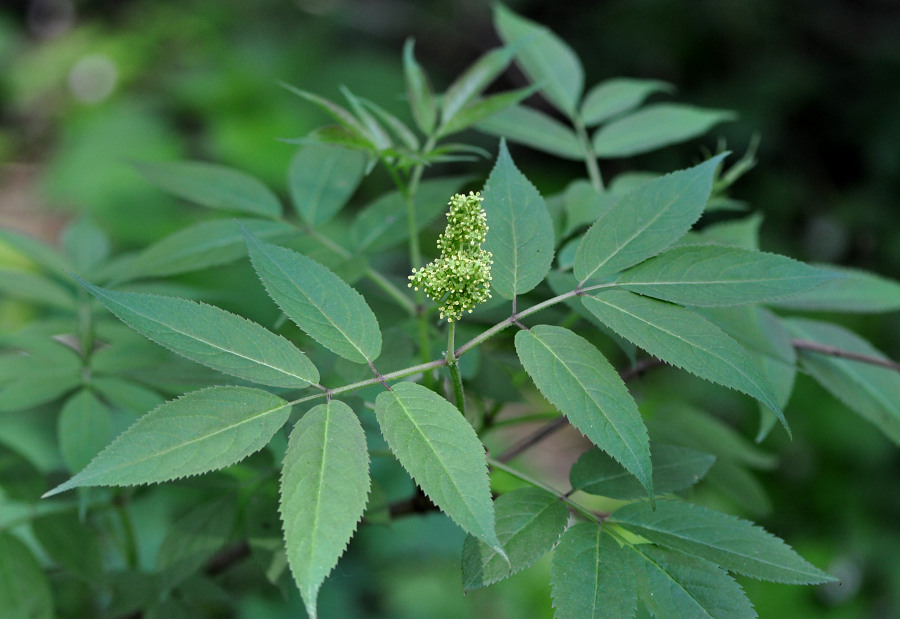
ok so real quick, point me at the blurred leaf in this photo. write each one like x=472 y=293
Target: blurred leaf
x=591 y=575
x=521 y=233
x=379 y=136
x=72 y=544
x=24 y=590
x=418 y=91
x=394 y=124
x=617 y=95
x=318 y=301
x=674 y=468
x=481 y=109
x=85 y=243
x=217 y=427
x=529 y=522
x=742 y=232
x=577 y=379
x=348 y=120
x=85 y=427
x=655 y=126
x=528 y=126
x=321 y=179
x=213 y=186
x=852 y=290
x=584 y=205
x=126 y=394
x=35 y=288
x=324 y=485
x=545 y=58
x=43 y=255
x=472 y=81
x=442 y=453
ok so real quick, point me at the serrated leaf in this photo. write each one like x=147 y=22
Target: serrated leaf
x=655 y=126
x=852 y=290
x=213 y=186
x=418 y=90
x=199 y=432
x=321 y=178
x=544 y=57
x=873 y=392
x=674 y=468
x=528 y=126
x=529 y=522
x=324 y=486
x=193 y=539
x=520 y=235
x=24 y=590
x=72 y=544
x=715 y=275
x=442 y=453
x=318 y=301
x=35 y=288
x=578 y=380
x=684 y=339
x=734 y=544
x=84 y=429
x=617 y=95
x=591 y=576
x=385 y=222
x=645 y=221
x=214 y=337
x=675 y=586
x=202 y=245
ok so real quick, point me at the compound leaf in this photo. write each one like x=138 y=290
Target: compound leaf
x=684 y=339
x=213 y=186
x=734 y=544
x=521 y=232
x=442 y=453
x=528 y=126
x=591 y=576
x=211 y=336
x=324 y=486
x=199 y=432
x=318 y=301
x=321 y=178
x=615 y=96
x=529 y=522
x=645 y=221
x=577 y=379
x=714 y=275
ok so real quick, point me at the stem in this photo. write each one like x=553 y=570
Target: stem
x=832 y=351
x=590 y=158
x=539 y=484
x=453 y=366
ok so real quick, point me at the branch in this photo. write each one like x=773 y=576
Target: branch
x=845 y=354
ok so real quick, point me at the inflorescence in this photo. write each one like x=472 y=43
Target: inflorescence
x=461 y=278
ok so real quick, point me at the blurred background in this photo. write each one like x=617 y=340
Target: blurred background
x=88 y=86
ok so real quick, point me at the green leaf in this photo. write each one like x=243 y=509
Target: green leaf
x=738 y=232
x=202 y=245
x=35 y=251
x=676 y=586
x=213 y=186
x=655 y=126
x=380 y=138
x=324 y=485
x=528 y=126
x=216 y=427
x=734 y=544
x=193 y=539
x=684 y=339
x=211 y=336
x=584 y=205
x=591 y=576
x=126 y=394
x=395 y=124
x=645 y=221
x=481 y=109
x=674 y=468
x=520 y=235
x=84 y=429
x=529 y=522
x=418 y=91
x=713 y=275
x=35 y=288
x=39 y=383
x=72 y=544
x=85 y=243
x=617 y=95
x=318 y=301
x=321 y=178
x=544 y=57
x=472 y=81
x=852 y=290
x=345 y=118
x=873 y=392
x=737 y=484
x=385 y=222
x=442 y=453
x=24 y=590
x=578 y=380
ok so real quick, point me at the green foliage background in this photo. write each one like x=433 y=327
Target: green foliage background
x=819 y=81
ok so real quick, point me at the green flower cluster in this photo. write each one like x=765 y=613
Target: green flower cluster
x=461 y=278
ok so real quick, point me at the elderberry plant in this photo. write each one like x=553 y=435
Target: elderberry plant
x=305 y=416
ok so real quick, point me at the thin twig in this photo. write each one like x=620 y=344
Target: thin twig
x=833 y=351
